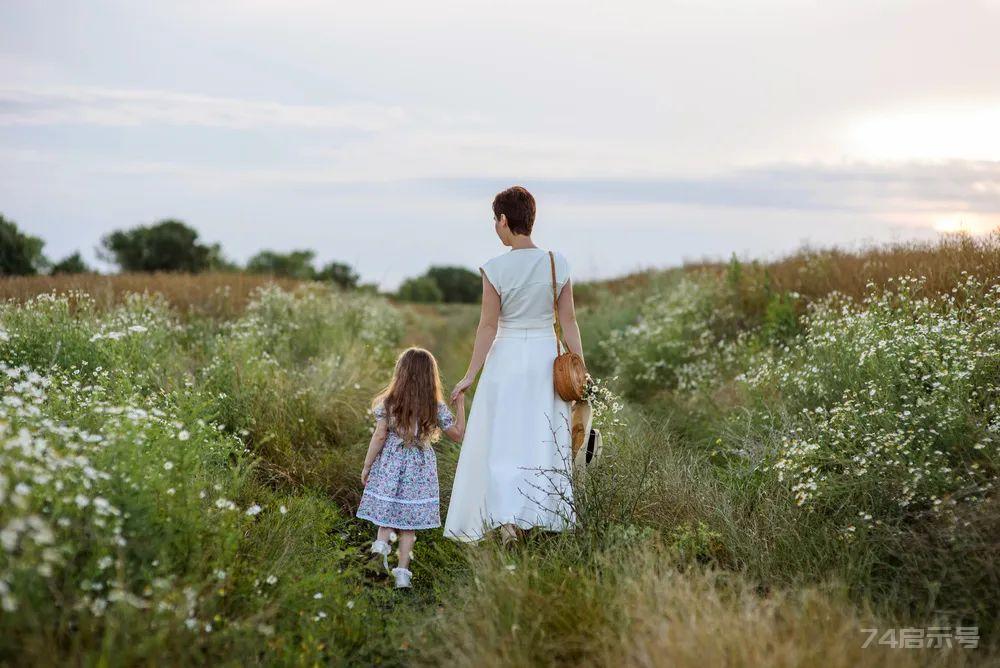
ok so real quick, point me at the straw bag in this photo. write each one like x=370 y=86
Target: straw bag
x=568 y=372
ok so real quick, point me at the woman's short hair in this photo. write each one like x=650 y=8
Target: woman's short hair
x=519 y=206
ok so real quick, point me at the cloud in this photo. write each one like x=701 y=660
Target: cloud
x=900 y=187
x=459 y=165
x=83 y=105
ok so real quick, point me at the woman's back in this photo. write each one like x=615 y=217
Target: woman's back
x=523 y=279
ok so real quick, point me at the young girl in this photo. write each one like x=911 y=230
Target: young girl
x=400 y=470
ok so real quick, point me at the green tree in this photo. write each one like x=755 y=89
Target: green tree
x=218 y=262
x=169 y=245
x=339 y=273
x=72 y=264
x=423 y=289
x=20 y=253
x=457 y=284
x=296 y=264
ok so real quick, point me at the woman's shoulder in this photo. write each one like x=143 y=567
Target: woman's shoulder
x=561 y=259
x=562 y=266
x=497 y=260
x=527 y=256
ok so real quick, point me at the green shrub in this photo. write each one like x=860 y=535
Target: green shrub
x=674 y=335
x=422 y=289
x=71 y=264
x=781 y=319
x=294 y=375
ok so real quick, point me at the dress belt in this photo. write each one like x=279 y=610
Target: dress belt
x=540 y=332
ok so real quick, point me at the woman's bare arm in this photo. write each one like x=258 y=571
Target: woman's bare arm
x=567 y=319
x=489 y=317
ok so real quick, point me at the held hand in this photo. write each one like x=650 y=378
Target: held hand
x=364 y=474
x=460 y=389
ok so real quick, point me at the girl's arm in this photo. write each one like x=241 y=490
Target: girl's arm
x=374 y=447
x=489 y=316
x=567 y=319
x=456 y=432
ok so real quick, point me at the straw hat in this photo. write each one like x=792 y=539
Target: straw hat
x=586 y=441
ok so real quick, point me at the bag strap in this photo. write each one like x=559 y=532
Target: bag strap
x=555 y=306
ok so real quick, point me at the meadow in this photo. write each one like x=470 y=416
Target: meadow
x=797 y=451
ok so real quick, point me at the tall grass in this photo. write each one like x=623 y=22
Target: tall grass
x=178 y=478
x=162 y=479
x=220 y=295
x=294 y=374
x=633 y=606
x=814 y=273
x=844 y=434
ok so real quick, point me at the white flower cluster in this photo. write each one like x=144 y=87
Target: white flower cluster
x=73 y=448
x=51 y=482
x=674 y=342
x=898 y=401
x=605 y=405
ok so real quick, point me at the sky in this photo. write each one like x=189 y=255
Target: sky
x=377 y=133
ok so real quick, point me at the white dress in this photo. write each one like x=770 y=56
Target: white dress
x=515 y=464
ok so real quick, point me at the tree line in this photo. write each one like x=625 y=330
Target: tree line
x=173 y=246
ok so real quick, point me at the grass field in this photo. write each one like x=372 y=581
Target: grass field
x=218 y=295
x=805 y=449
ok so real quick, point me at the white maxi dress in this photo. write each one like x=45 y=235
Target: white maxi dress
x=515 y=463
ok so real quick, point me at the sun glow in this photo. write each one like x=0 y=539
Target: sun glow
x=966 y=223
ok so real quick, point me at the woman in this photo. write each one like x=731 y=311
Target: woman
x=515 y=465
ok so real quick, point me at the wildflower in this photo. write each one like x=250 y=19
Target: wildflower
x=253 y=510
x=224 y=504
x=9 y=537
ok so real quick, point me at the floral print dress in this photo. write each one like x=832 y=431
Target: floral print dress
x=402 y=489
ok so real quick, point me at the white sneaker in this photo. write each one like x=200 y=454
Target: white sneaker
x=403 y=577
x=382 y=547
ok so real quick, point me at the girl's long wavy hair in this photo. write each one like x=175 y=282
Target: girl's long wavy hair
x=411 y=398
